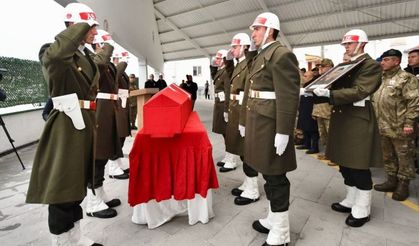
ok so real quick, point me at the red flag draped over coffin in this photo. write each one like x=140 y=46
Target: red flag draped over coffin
x=167 y=112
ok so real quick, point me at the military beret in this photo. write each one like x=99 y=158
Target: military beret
x=326 y=62
x=392 y=52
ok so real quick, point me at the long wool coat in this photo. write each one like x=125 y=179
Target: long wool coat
x=64 y=158
x=354 y=139
x=274 y=69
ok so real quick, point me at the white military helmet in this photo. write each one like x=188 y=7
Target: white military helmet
x=78 y=12
x=221 y=54
x=101 y=37
x=267 y=19
x=355 y=36
x=240 y=39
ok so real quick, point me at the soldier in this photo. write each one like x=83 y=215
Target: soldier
x=117 y=168
x=133 y=85
x=107 y=143
x=271 y=112
x=321 y=112
x=396 y=105
x=64 y=159
x=221 y=70
x=354 y=140
x=248 y=192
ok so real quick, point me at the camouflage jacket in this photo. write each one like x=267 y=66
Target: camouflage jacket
x=396 y=102
x=322 y=110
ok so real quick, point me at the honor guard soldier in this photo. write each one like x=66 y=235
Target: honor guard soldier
x=107 y=140
x=221 y=70
x=271 y=112
x=354 y=140
x=396 y=105
x=64 y=159
x=117 y=164
x=248 y=192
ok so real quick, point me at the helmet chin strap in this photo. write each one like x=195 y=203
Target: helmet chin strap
x=241 y=51
x=265 y=37
x=356 y=51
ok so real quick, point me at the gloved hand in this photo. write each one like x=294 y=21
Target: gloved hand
x=281 y=142
x=225 y=117
x=242 y=130
x=229 y=55
x=304 y=93
x=252 y=46
x=321 y=92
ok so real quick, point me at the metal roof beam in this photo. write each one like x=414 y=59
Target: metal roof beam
x=344 y=27
x=196 y=9
x=183 y=34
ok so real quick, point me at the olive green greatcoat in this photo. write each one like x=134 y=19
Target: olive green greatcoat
x=354 y=140
x=222 y=83
x=64 y=158
x=250 y=55
x=108 y=144
x=274 y=69
x=123 y=123
x=233 y=141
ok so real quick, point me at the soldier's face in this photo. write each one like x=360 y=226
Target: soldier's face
x=413 y=59
x=390 y=62
x=236 y=50
x=90 y=36
x=258 y=34
x=350 y=48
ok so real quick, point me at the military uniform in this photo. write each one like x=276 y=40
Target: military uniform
x=222 y=97
x=396 y=104
x=322 y=112
x=133 y=103
x=354 y=140
x=64 y=158
x=124 y=129
x=274 y=71
x=108 y=144
x=248 y=192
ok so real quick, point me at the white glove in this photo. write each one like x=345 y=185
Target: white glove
x=252 y=46
x=242 y=130
x=281 y=142
x=229 y=55
x=304 y=93
x=322 y=92
x=225 y=117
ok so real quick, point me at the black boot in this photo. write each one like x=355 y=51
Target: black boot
x=354 y=222
x=236 y=192
x=389 y=186
x=402 y=191
x=314 y=147
x=259 y=227
x=220 y=164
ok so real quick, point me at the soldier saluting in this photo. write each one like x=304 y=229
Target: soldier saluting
x=64 y=159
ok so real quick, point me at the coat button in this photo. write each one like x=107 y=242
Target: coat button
x=238 y=75
x=262 y=66
x=333 y=111
x=340 y=111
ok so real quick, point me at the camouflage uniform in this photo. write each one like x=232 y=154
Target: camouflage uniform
x=322 y=112
x=396 y=104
